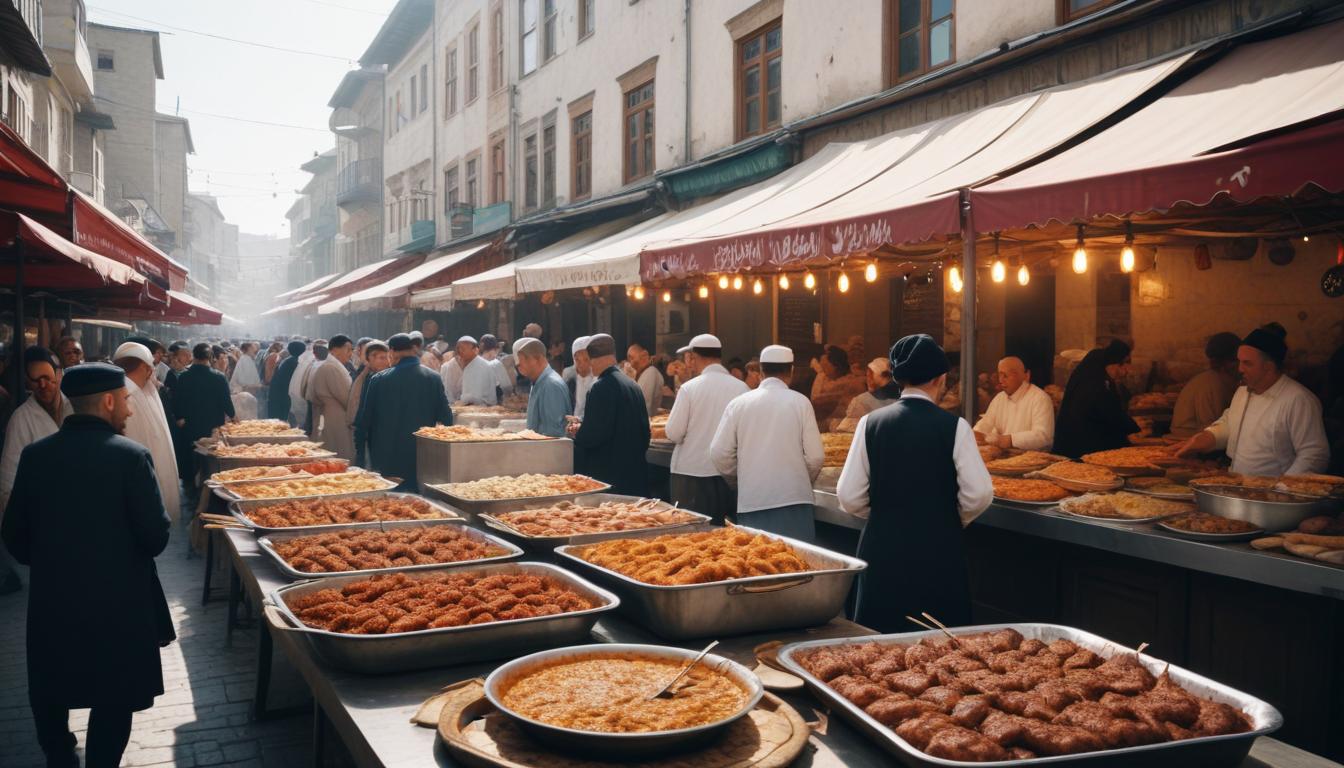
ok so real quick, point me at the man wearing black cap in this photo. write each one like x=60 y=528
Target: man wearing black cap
x=399 y=401
x=914 y=471
x=97 y=614
x=277 y=400
x=611 y=442
x=201 y=399
x=1274 y=425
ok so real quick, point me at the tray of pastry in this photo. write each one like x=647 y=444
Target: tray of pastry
x=589 y=518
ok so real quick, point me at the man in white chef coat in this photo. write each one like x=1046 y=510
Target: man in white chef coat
x=478 y=378
x=1274 y=425
x=1021 y=415
x=583 y=377
x=491 y=355
x=768 y=441
x=39 y=416
x=695 y=483
x=148 y=425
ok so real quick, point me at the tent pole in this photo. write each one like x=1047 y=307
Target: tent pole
x=20 y=340
x=969 y=399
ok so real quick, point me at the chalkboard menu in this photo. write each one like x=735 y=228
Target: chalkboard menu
x=918 y=308
x=799 y=312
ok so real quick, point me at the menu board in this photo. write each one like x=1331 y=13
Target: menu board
x=799 y=316
x=920 y=308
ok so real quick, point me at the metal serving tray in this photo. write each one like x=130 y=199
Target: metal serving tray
x=1207 y=752
x=443 y=461
x=379 y=654
x=269 y=439
x=549 y=543
x=267 y=544
x=238 y=508
x=1270 y=515
x=473 y=508
x=487 y=420
x=229 y=493
x=734 y=606
x=233 y=462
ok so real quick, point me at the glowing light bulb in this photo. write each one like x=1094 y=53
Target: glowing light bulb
x=1127 y=259
x=810 y=281
x=639 y=293
x=1080 y=260
x=667 y=297
x=704 y=291
x=843 y=283
x=870 y=272
x=1023 y=275
x=1306 y=238
x=784 y=282
x=723 y=282
x=954 y=277
x=758 y=287
x=480 y=303
x=998 y=272
x=737 y=282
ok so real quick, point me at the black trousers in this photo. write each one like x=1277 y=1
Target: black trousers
x=109 y=732
x=706 y=495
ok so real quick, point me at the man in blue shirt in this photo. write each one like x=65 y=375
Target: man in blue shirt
x=548 y=404
x=399 y=401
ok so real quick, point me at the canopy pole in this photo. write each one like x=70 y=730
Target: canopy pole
x=20 y=338
x=968 y=389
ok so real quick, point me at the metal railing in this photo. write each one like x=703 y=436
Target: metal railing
x=359 y=180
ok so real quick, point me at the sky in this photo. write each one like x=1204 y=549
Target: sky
x=253 y=169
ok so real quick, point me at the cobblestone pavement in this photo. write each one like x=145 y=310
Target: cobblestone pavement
x=203 y=717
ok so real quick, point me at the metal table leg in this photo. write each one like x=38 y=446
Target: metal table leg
x=319 y=735
x=209 y=568
x=235 y=597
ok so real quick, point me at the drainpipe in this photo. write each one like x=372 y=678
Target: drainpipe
x=434 y=169
x=968 y=388
x=686 y=113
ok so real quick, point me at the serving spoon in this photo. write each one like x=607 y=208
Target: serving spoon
x=666 y=691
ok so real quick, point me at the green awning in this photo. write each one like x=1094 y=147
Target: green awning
x=730 y=173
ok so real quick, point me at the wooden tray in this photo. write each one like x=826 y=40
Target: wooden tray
x=772 y=735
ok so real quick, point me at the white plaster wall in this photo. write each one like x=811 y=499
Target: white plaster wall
x=464 y=132
x=981 y=25
x=413 y=143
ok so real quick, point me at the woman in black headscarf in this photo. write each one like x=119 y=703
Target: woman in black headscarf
x=1092 y=416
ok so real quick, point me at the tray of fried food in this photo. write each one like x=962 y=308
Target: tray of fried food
x=1075 y=476
x=348 y=482
x=328 y=512
x=1204 y=526
x=989 y=452
x=396 y=545
x=251 y=474
x=1123 y=507
x=1019 y=464
x=1161 y=487
x=464 y=434
x=1028 y=694
x=259 y=431
x=1319 y=486
x=591 y=518
x=251 y=454
x=711 y=581
x=1024 y=491
x=1133 y=461
x=836 y=446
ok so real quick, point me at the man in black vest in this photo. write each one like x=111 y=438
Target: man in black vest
x=915 y=473
x=611 y=442
x=96 y=611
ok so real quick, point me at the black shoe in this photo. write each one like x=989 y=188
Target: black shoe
x=11 y=584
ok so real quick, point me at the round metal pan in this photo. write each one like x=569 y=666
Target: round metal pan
x=1270 y=515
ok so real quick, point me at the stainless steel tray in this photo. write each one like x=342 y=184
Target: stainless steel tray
x=471 y=508
x=1223 y=538
x=443 y=461
x=232 y=462
x=1206 y=752
x=268 y=439
x=1270 y=515
x=228 y=492
x=451 y=646
x=734 y=606
x=237 y=509
x=267 y=545
x=223 y=483
x=549 y=543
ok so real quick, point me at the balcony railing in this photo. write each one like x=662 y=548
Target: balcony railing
x=459 y=220
x=360 y=181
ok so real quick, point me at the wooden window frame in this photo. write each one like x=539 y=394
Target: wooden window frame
x=645 y=142
x=892 y=41
x=499 y=172
x=452 y=188
x=581 y=139
x=1064 y=14
x=739 y=80
x=524 y=44
x=587 y=18
x=496 y=47
x=450 y=82
x=531 y=170
x=550 y=136
x=471 y=180
x=473 y=64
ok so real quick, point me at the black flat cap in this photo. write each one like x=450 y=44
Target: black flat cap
x=91 y=379
x=400 y=342
x=1269 y=342
x=917 y=359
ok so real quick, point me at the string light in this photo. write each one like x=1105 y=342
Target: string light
x=639 y=293
x=843 y=283
x=758 y=287
x=784 y=282
x=723 y=282
x=997 y=272
x=1127 y=255
x=737 y=282
x=480 y=303
x=667 y=297
x=1023 y=275
x=704 y=291
x=870 y=272
x=1306 y=238
x=954 y=277
x=1080 y=254
x=810 y=281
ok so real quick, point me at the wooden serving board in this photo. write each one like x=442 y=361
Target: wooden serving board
x=772 y=735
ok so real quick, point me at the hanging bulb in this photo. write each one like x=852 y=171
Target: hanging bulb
x=784 y=282
x=704 y=291
x=1023 y=275
x=1080 y=254
x=954 y=277
x=1306 y=238
x=1127 y=254
x=723 y=282
x=667 y=297
x=758 y=287
x=480 y=303
x=998 y=272
x=639 y=293
x=870 y=272
x=810 y=281
x=843 y=283
x=737 y=282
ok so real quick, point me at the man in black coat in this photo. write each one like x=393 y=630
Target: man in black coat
x=611 y=442
x=399 y=401
x=201 y=399
x=277 y=400
x=179 y=359
x=97 y=615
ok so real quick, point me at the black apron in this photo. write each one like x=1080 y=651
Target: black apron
x=912 y=541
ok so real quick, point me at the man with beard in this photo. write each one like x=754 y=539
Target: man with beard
x=376 y=360
x=148 y=424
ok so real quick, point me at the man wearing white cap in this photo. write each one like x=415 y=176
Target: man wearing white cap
x=579 y=377
x=148 y=424
x=548 y=404
x=882 y=391
x=768 y=440
x=467 y=378
x=695 y=482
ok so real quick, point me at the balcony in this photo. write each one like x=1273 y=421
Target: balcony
x=360 y=181
x=465 y=221
x=421 y=237
x=67 y=47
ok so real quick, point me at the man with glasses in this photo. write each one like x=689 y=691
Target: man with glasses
x=39 y=416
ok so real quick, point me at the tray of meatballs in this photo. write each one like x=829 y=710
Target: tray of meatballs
x=1028 y=694
x=399 y=545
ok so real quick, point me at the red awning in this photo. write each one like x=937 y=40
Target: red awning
x=98 y=229
x=52 y=263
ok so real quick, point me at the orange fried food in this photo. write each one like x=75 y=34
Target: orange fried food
x=1080 y=473
x=292 y=514
x=696 y=558
x=1013 y=489
x=366 y=548
x=568 y=518
x=321 y=485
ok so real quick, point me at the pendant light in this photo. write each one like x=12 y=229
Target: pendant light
x=758 y=287
x=1080 y=254
x=810 y=281
x=1023 y=275
x=1127 y=254
x=704 y=291
x=784 y=282
x=723 y=282
x=667 y=297
x=954 y=278
x=843 y=283
x=870 y=272
x=639 y=293
x=737 y=282
x=998 y=272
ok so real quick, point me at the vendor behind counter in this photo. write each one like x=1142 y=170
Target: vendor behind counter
x=1092 y=417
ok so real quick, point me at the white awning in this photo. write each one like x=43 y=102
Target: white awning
x=394 y=293
x=306 y=287
x=502 y=281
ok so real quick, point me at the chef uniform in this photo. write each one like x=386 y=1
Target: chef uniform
x=451 y=375
x=148 y=426
x=96 y=613
x=695 y=483
x=612 y=442
x=399 y=401
x=917 y=468
x=768 y=440
x=581 y=383
x=478 y=380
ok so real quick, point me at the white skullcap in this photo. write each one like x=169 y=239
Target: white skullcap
x=580 y=345
x=776 y=354
x=469 y=340
x=134 y=350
